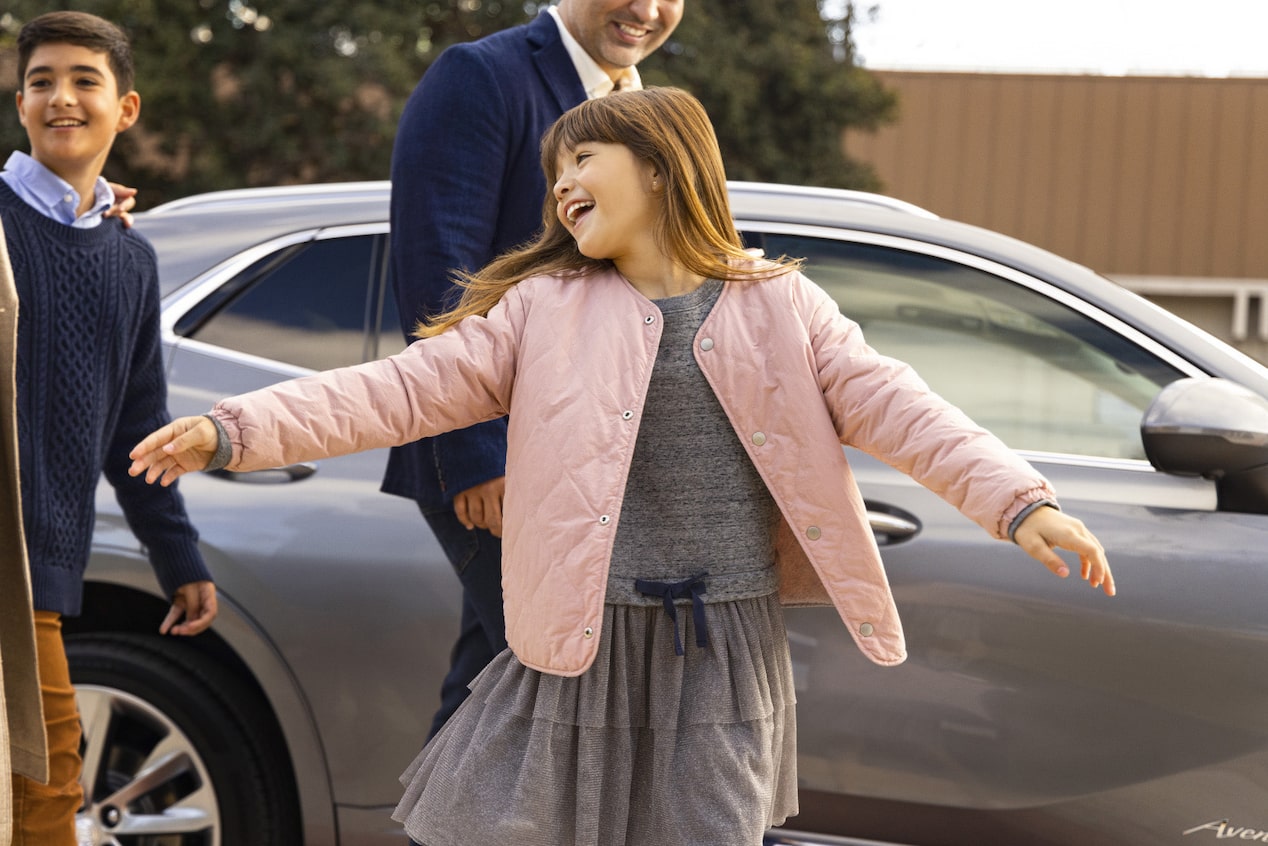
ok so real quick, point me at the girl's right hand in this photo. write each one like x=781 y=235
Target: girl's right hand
x=184 y=445
x=1046 y=529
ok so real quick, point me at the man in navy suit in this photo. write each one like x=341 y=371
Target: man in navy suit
x=467 y=185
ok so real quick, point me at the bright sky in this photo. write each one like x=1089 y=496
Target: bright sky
x=1114 y=37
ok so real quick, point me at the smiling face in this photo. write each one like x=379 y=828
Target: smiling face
x=620 y=33
x=71 y=108
x=610 y=203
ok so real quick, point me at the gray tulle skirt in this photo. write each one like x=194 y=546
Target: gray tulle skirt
x=646 y=748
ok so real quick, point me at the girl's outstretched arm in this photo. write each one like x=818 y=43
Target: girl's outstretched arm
x=1046 y=529
x=186 y=444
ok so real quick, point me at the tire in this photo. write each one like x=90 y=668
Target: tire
x=177 y=751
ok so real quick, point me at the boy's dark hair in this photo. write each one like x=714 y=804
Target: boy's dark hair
x=82 y=30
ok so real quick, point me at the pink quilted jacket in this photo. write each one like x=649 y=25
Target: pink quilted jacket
x=569 y=358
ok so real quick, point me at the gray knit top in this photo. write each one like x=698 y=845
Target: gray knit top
x=694 y=502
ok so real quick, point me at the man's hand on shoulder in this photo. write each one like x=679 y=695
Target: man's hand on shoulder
x=124 y=203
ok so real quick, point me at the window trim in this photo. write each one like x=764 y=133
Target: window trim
x=189 y=295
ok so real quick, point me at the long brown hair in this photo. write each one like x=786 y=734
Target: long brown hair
x=664 y=127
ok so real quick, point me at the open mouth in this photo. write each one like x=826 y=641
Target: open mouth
x=632 y=31
x=577 y=209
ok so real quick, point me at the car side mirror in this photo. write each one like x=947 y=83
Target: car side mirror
x=1216 y=429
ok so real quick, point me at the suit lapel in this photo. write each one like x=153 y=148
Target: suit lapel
x=553 y=62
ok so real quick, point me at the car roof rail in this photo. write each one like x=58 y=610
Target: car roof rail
x=345 y=190
x=864 y=198
x=323 y=190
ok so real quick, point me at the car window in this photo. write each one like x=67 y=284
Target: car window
x=317 y=305
x=1035 y=372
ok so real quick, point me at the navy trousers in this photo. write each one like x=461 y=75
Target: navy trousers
x=476 y=556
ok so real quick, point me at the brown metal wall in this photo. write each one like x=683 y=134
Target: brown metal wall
x=1129 y=175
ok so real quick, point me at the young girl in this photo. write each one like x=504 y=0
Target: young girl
x=677 y=410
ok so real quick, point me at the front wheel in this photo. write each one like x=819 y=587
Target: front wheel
x=175 y=749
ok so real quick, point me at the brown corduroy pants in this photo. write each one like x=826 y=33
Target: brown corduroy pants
x=44 y=815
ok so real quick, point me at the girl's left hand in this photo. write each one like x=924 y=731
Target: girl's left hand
x=186 y=444
x=1046 y=529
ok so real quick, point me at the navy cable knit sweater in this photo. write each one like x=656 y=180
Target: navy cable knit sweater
x=90 y=385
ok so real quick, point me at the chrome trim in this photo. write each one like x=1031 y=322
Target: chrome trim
x=840 y=194
x=889 y=524
x=320 y=191
x=283 y=369
x=1130 y=465
x=780 y=837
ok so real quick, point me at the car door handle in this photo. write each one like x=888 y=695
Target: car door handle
x=273 y=476
x=891 y=528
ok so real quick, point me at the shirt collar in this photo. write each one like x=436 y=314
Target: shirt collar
x=593 y=78
x=53 y=196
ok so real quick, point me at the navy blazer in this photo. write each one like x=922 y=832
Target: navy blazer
x=467 y=185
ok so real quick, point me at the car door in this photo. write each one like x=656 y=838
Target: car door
x=345 y=582
x=1027 y=703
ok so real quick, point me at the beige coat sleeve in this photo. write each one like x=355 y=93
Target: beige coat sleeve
x=22 y=743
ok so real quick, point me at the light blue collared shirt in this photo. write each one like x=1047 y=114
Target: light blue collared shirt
x=52 y=196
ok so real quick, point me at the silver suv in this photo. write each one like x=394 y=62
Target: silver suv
x=1029 y=712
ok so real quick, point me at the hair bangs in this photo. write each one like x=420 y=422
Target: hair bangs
x=594 y=121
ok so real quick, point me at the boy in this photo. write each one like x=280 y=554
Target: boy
x=90 y=378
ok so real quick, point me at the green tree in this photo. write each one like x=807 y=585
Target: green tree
x=780 y=83
x=259 y=92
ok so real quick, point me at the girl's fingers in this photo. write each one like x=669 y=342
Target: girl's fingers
x=192 y=441
x=1038 y=548
x=151 y=443
x=1054 y=531
x=168 y=453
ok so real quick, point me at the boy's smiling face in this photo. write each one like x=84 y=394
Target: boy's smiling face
x=71 y=108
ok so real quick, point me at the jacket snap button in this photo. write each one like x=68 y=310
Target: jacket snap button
x=604 y=520
x=813 y=533
x=759 y=438
x=866 y=630
x=627 y=415
x=589 y=632
x=706 y=344
x=649 y=319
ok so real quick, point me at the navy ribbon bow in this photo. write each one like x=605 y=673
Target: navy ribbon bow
x=692 y=588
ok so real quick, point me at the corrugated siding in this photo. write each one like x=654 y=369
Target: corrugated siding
x=1154 y=176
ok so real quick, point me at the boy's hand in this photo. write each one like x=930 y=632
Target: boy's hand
x=124 y=202
x=1046 y=529
x=184 y=445
x=196 y=602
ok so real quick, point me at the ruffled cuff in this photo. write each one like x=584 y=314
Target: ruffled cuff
x=224 y=447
